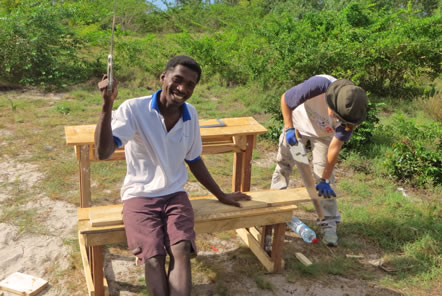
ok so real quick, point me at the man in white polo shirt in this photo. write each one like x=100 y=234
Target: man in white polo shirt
x=324 y=112
x=160 y=134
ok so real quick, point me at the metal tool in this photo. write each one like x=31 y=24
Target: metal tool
x=110 y=72
x=298 y=151
x=220 y=124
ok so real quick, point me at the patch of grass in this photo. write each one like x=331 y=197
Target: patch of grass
x=262 y=283
x=226 y=235
x=61 y=180
x=410 y=232
x=26 y=220
x=432 y=106
x=69 y=107
x=358 y=190
x=335 y=266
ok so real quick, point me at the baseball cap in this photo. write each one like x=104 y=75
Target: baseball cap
x=348 y=101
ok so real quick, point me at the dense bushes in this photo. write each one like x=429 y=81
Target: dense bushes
x=272 y=43
x=416 y=155
x=382 y=51
x=36 y=48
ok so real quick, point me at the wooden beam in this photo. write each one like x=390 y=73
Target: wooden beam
x=86 y=267
x=237 y=171
x=247 y=164
x=97 y=269
x=264 y=216
x=304 y=260
x=256 y=249
x=278 y=239
x=255 y=232
x=242 y=222
x=85 y=177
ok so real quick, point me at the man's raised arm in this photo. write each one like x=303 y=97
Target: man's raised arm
x=104 y=141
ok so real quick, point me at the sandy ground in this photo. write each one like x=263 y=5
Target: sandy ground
x=45 y=254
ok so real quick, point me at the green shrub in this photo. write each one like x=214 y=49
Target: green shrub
x=36 y=46
x=416 y=156
x=363 y=134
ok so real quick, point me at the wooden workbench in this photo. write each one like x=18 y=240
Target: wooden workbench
x=238 y=136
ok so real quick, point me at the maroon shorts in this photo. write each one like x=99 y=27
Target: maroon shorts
x=153 y=224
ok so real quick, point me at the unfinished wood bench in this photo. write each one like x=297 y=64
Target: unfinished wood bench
x=103 y=225
x=237 y=135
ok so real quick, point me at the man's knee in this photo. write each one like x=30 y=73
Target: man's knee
x=181 y=248
x=155 y=262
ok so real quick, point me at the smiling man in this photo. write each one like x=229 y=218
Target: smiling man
x=160 y=134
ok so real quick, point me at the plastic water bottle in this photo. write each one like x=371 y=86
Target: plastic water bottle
x=297 y=226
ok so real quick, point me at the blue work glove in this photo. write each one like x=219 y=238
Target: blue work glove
x=324 y=189
x=290 y=136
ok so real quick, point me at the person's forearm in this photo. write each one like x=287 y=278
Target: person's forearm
x=286 y=113
x=332 y=157
x=104 y=141
x=201 y=173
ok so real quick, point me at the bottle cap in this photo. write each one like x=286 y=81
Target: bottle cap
x=315 y=240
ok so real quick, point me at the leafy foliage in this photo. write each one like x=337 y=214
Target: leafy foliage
x=37 y=48
x=363 y=134
x=412 y=158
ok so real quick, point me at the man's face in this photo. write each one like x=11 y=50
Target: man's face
x=178 y=84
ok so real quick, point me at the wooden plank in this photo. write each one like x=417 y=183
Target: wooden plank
x=85 y=177
x=23 y=284
x=261 y=217
x=97 y=269
x=247 y=165
x=86 y=267
x=116 y=234
x=235 y=126
x=208 y=148
x=220 y=148
x=304 y=260
x=237 y=171
x=256 y=249
x=278 y=239
x=255 y=232
x=210 y=208
x=84 y=134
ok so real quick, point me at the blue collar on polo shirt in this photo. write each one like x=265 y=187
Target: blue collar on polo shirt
x=155 y=99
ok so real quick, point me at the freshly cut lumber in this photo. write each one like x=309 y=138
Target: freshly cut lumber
x=23 y=284
x=209 y=208
x=304 y=260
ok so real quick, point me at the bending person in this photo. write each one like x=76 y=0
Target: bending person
x=324 y=112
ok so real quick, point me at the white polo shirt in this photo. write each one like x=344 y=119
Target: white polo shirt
x=154 y=157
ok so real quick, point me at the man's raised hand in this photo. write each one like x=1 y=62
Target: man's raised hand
x=108 y=97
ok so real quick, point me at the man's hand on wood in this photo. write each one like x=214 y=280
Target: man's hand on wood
x=233 y=198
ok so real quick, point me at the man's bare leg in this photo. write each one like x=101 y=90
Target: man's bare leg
x=180 y=276
x=155 y=275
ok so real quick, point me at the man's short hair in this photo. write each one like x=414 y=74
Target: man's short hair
x=185 y=61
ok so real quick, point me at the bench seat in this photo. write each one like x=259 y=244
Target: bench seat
x=103 y=225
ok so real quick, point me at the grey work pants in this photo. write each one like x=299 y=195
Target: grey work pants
x=285 y=163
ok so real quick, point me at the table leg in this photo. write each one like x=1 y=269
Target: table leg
x=85 y=177
x=247 y=164
x=96 y=254
x=237 y=171
x=278 y=240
